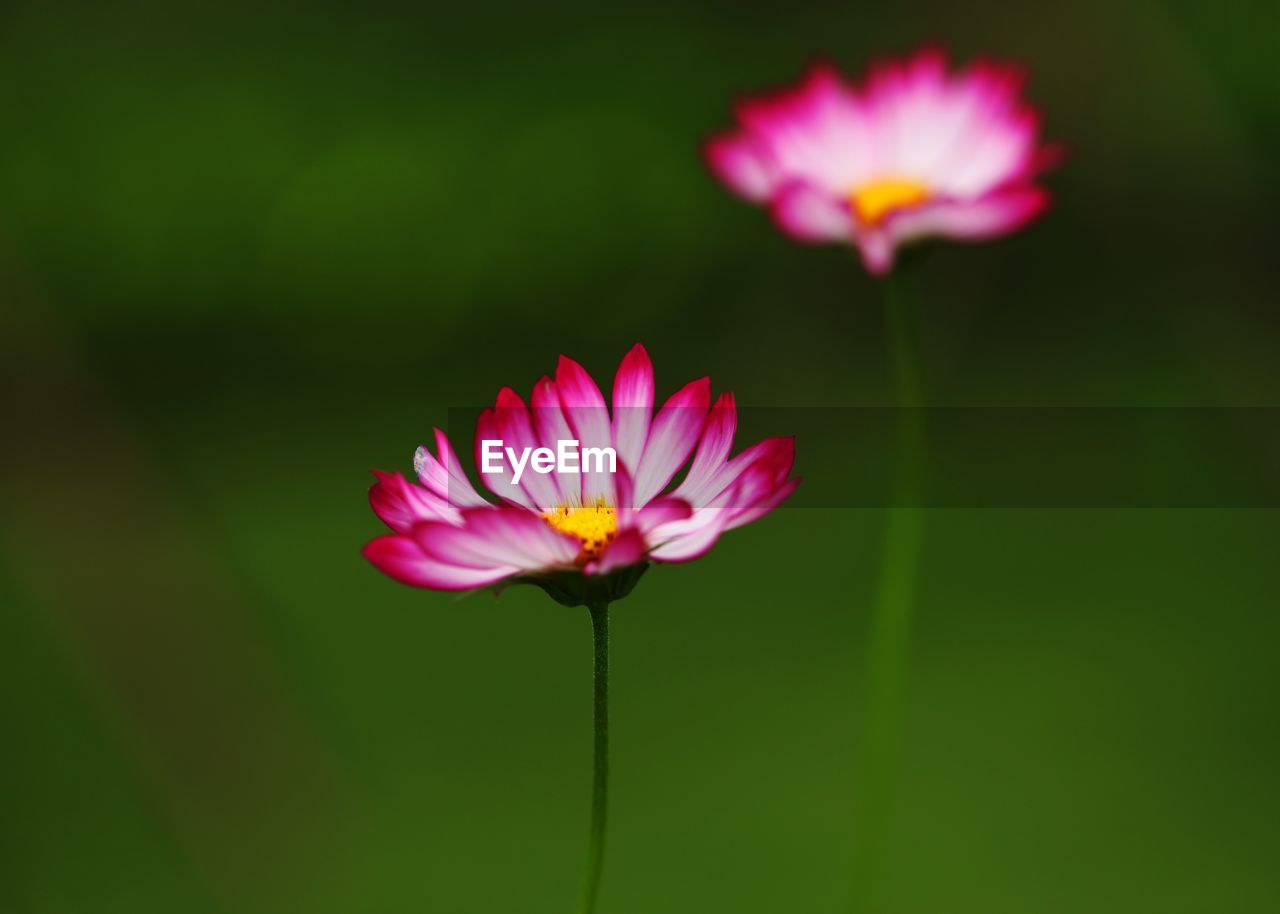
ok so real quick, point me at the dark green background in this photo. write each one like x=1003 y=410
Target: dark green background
x=247 y=253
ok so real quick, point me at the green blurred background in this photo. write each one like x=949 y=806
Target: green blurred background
x=247 y=253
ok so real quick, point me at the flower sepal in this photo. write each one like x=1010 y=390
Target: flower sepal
x=573 y=588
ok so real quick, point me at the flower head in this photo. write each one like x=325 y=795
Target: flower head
x=595 y=526
x=912 y=152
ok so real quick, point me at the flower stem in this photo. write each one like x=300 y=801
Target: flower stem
x=600 y=771
x=891 y=614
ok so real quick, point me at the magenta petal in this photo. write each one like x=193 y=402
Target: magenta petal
x=696 y=536
x=400 y=557
x=515 y=427
x=625 y=497
x=504 y=536
x=431 y=472
x=776 y=453
x=632 y=405
x=758 y=485
x=809 y=214
x=628 y=548
x=552 y=428
x=877 y=249
x=444 y=474
x=526 y=534
x=584 y=407
x=772 y=457
x=673 y=437
x=763 y=485
x=817 y=133
x=500 y=482
x=713 y=448
x=991 y=152
x=739 y=162
x=400 y=504
x=998 y=213
x=665 y=509
x=766 y=503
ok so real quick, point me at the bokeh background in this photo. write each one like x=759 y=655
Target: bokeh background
x=248 y=251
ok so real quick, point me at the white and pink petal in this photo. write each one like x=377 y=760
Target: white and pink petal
x=991 y=216
x=443 y=474
x=713 y=448
x=588 y=417
x=505 y=537
x=632 y=405
x=400 y=557
x=400 y=504
x=628 y=548
x=672 y=438
x=552 y=427
x=811 y=214
x=738 y=161
x=495 y=471
x=514 y=426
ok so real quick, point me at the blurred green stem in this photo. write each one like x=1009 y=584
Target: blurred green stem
x=891 y=614
x=600 y=775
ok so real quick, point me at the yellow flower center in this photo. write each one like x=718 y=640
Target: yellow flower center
x=875 y=200
x=594 y=525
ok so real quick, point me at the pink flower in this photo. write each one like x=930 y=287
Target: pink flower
x=573 y=528
x=913 y=152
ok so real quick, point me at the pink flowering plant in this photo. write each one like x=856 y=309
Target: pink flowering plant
x=581 y=504
x=911 y=152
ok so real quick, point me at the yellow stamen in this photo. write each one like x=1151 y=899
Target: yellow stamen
x=594 y=525
x=875 y=200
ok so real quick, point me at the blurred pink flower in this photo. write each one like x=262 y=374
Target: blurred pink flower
x=912 y=152
x=580 y=526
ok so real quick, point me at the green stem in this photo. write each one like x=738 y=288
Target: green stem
x=600 y=771
x=891 y=614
